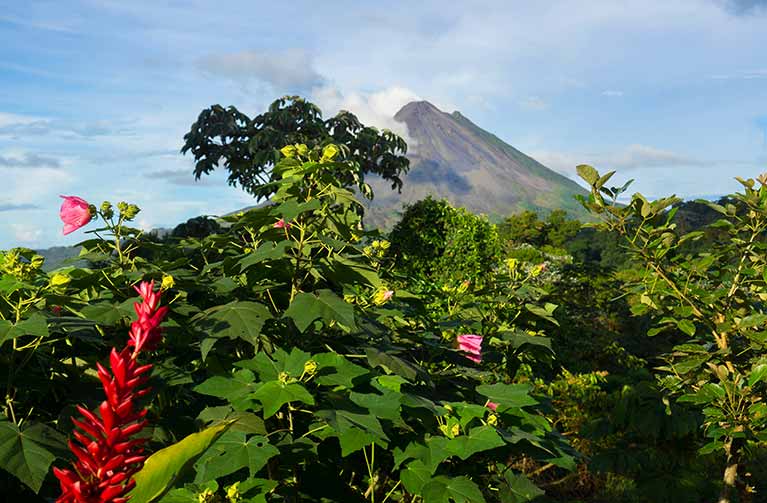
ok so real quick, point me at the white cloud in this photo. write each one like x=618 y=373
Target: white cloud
x=26 y=234
x=373 y=109
x=631 y=157
x=287 y=70
x=612 y=93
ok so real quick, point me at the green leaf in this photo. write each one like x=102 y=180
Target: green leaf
x=103 y=313
x=245 y=422
x=270 y=368
x=707 y=393
x=588 y=173
x=274 y=394
x=232 y=452
x=236 y=320
x=9 y=284
x=758 y=374
x=507 y=395
x=481 y=438
x=522 y=488
x=234 y=388
x=545 y=312
x=162 y=469
x=23 y=453
x=394 y=364
x=336 y=370
x=711 y=447
x=754 y=320
x=691 y=363
x=415 y=476
x=326 y=306
x=349 y=272
x=459 y=489
x=385 y=406
x=686 y=326
x=267 y=251
x=36 y=325
x=354 y=430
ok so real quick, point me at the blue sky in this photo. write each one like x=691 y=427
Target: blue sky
x=96 y=95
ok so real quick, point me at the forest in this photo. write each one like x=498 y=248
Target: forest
x=291 y=353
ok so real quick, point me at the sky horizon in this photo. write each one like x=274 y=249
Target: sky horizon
x=96 y=95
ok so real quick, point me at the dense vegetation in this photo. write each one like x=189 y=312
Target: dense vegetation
x=305 y=358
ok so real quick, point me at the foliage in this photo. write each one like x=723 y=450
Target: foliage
x=305 y=358
x=526 y=227
x=712 y=301
x=249 y=147
x=337 y=385
x=435 y=240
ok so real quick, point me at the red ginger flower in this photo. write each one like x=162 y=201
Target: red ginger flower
x=107 y=456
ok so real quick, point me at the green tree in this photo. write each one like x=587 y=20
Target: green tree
x=248 y=148
x=436 y=241
x=713 y=302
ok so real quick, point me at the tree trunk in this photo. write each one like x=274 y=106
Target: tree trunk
x=730 y=473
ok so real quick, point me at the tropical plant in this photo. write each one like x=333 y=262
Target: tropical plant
x=248 y=148
x=712 y=300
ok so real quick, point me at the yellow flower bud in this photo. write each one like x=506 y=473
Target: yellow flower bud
x=310 y=367
x=59 y=280
x=233 y=493
x=288 y=151
x=167 y=282
x=207 y=496
x=329 y=153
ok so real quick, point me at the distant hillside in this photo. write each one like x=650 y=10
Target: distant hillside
x=453 y=158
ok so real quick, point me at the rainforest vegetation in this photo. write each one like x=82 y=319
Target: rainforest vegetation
x=290 y=353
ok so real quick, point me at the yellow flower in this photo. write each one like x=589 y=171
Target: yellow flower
x=329 y=153
x=310 y=367
x=382 y=296
x=207 y=496
x=288 y=151
x=60 y=279
x=167 y=282
x=233 y=493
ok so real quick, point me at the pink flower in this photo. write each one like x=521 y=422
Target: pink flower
x=75 y=212
x=281 y=224
x=388 y=295
x=491 y=405
x=472 y=345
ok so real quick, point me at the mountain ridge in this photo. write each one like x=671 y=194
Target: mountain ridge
x=454 y=158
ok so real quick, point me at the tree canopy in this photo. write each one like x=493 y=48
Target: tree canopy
x=248 y=148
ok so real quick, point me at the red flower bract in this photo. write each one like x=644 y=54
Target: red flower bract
x=107 y=455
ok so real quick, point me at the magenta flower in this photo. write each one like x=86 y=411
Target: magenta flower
x=472 y=345
x=75 y=212
x=281 y=224
x=491 y=405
